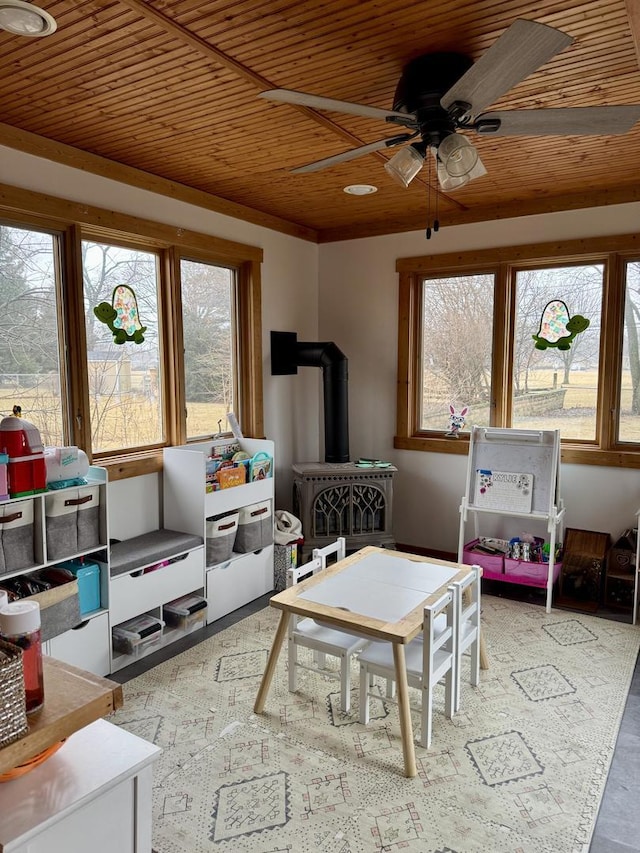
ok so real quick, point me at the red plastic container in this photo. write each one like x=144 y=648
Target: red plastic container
x=27 y=469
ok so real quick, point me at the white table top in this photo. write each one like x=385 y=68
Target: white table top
x=382 y=586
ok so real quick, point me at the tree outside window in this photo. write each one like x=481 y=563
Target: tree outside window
x=125 y=385
x=30 y=374
x=629 y=421
x=457 y=329
x=208 y=320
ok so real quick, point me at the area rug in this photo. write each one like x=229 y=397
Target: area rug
x=520 y=769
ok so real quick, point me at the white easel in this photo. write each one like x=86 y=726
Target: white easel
x=533 y=452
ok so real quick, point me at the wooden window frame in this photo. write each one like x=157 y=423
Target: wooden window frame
x=71 y=223
x=503 y=263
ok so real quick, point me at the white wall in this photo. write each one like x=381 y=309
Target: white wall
x=289 y=303
x=358 y=289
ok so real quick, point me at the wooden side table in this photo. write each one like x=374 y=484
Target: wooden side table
x=73 y=698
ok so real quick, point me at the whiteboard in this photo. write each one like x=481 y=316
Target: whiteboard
x=500 y=490
x=534 y=452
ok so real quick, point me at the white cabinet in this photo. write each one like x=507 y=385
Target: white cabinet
x=141 y=575
x=237 y=581
x=140 y=592
x=93 y=794
x=85 y=646
x=48 y=529
x=187 y=505
x=31 y=525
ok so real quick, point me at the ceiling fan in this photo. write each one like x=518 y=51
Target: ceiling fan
x=439 y=94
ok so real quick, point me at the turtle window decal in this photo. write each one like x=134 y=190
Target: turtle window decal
x=122 y=316
x=557 y=327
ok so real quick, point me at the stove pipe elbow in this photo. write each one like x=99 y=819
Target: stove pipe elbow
x=287 y=354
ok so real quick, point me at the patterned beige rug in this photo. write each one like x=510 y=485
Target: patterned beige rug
x=520 y=769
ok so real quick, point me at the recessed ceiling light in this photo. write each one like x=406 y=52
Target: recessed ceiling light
x=25 y=19
x=360 y=189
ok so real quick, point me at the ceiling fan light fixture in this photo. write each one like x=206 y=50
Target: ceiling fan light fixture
x=457 y=155
x=405 y=165
x=25 y=19
x=449 y=183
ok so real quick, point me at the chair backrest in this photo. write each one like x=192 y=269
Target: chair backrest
x=444 y=636
x=294 y=575
x=339 y=548
x=469 y=609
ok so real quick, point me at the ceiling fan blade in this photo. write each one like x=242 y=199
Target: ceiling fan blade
x=562 y=121
x=520 y=50
x=345 y=156
x=316 y=102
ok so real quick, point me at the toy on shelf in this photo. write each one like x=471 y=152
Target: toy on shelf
x=66 y=466
x=21 y=441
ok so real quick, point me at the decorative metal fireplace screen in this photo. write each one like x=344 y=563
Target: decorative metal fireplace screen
x=334 y=500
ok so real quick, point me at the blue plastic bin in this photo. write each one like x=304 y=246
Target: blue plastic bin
x=88 y=576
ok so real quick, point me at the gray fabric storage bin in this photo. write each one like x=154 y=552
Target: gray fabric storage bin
x=59 y=609
x=16 y=536
x=255 y=528
x=72 y=521
x=220 y=537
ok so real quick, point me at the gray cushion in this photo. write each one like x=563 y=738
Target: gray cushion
x=150 y=548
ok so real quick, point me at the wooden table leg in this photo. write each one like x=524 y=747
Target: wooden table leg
x=484 y=657
x=272 y=660
x=406 y=729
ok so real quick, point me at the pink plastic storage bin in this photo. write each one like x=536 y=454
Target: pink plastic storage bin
x=492 y=564
x=529 y=574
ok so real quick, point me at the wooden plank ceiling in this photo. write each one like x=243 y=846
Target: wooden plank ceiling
x=169 y=87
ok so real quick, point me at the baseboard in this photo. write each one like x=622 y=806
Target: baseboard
x=450 y=556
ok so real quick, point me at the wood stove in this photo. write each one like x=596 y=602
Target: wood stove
x=343 y=499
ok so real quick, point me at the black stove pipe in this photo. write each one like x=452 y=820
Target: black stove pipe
x=287 y=354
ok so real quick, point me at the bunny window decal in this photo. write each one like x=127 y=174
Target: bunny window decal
x=456 y=421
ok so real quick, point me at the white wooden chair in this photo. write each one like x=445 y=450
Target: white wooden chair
x=322 y=639
x=339 y=548
x=467 y=605
x=429 y=658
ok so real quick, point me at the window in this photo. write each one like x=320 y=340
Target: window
x=629 y=423
x=188 y=351
x=457 y=329
x=532 y=337
x=30 y=367
x=209 y=338
x=557 y=388
x=125 y=379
